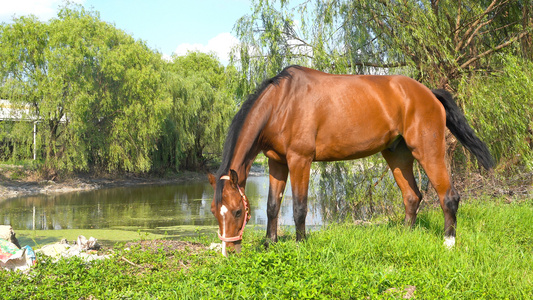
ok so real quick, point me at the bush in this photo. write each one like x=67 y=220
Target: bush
x=500 y=108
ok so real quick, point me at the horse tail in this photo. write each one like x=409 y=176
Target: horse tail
x=458 y=125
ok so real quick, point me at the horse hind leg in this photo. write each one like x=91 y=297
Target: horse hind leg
x=432 y=159
x=400 y=161
x=448 y=197
x=450 y=207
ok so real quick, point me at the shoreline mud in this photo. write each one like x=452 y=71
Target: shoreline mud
x=20 y=188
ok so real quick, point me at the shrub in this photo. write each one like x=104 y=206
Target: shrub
x=500 y=108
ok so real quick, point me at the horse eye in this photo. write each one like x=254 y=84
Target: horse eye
x=238 y=213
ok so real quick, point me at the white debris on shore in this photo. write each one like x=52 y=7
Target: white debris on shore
x=13 y=257
x=84 y=248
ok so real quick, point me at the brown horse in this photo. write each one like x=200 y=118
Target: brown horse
x=303 y=115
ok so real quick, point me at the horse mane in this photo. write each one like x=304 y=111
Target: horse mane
x=237 y=124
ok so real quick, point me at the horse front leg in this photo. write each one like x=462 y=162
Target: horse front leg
x=300 y=169
x=278 y=173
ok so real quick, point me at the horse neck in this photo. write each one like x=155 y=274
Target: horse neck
x=246 y=150
x=247 y=146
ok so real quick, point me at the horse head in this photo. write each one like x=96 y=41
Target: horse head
x=231 y=209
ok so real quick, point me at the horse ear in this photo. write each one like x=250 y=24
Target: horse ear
x=233 y=177
x=212 y=179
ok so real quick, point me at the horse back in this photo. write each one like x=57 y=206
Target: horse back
x=337 y=117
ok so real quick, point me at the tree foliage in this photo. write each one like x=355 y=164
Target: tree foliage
x=434 y=41
x=95 y=90
x=503 y=110
x=201 y=107
x=107 y=101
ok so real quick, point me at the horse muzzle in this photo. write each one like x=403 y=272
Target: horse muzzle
x=231 y=247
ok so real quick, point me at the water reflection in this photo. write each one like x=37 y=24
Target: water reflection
x=140 y=208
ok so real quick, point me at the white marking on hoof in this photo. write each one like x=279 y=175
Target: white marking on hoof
x=449 y=242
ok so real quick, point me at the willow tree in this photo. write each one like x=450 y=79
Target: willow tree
x=434 y=41
x=22 y=73
x=96 y=91
x=201 y=92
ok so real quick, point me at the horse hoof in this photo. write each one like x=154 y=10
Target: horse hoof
x=449 y=242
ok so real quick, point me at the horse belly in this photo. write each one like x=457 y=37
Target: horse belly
x=334 y=150
x=350 y=140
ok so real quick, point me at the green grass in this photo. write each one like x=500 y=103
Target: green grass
x=493 y=259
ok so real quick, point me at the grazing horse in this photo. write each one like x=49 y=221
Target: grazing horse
x=303 y=115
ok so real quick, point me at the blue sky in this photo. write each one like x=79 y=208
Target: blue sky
x=166 y=26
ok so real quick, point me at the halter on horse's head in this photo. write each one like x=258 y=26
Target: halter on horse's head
x=232 y=211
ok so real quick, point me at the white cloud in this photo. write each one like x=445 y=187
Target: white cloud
x=43 y=9
x=220 y=45
x=166 y=57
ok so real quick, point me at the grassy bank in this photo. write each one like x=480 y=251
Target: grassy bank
x=493 y=258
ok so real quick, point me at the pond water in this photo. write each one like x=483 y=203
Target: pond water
x=173 y=210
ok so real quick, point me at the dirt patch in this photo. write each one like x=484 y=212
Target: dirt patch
x=166 y=245
x=169 y=247
x=511 y=187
